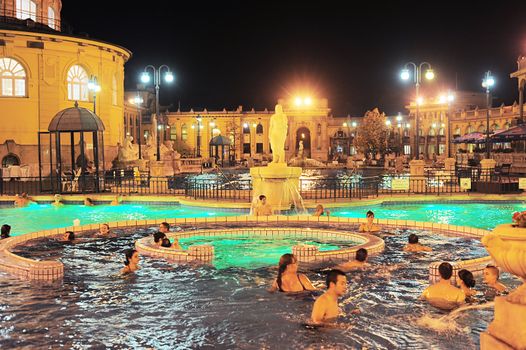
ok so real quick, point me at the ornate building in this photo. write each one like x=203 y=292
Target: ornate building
x=45 y=69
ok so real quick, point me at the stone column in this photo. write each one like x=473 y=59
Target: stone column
x=417 y=182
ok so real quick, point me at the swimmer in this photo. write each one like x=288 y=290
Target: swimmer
x=263 y=208
x=69 y=236
x=116 y=200
x=414 y=246
x=326 y=308
x=158 y=238
x=104 y=231
x=23 y=200
x=88 y=202
x=359 y=261
x=131 y=262
x=369 y=226
x=320 y=211
x=442 y=294
x=57 y=200
x=491 y=278
x=164 y=227
x=289 y=280
x=466 y=283
x=6 y=230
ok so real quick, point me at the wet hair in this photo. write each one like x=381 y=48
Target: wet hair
x=71 y=235
x=88 y=200
x=6 y=230
x=361 y=254
x=158 y=236
x=284 y=261
x=332 y=276
x=446 y=270
x=370 y=213
x=166 y=243
x=108 y=226
x=467 y=277
x=166 y=225
x=413 y=239
x=128 y=253
x=494 y=270
x=262 y=197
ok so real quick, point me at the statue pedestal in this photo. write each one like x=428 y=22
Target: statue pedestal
x=417 y=181
x=449 y=165
x=161 y=168
x=507 y=246
x=278 y=182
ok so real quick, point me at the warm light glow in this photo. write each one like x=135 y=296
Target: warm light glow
x=408 y=125
x=443 y=124
x=404 y=74
x=302 y=135
x=307 y=101
x=193 y=126
x=159 y=127
x=245 y=125
x=354 y=124
x=441 y=99
x=398 y=117
x=137 y=100
x=434 y=125
x=420 y=101
x=388 y=122
x=254 y=125
x=451 y=97
x=344 y=124
x=430 y=75
x=298 y=101
x=145 y=77
x=212 y=124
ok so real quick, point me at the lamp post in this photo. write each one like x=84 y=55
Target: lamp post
x=94 y=87
x=449 y=99
x=399 y=125
x=417 y=79
x=199 y=127
x=487 y=83
x=388 y=134
x=138 y=101
x=145 y=78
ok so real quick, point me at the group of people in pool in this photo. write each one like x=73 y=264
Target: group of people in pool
x=23 y=200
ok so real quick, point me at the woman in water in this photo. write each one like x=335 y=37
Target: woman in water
x=289 y=280
x=320 y=211
x=57 y=200
x=131 y=264
x=88 y=202
x=369 y=226
x=466 y=283
x=104 y=231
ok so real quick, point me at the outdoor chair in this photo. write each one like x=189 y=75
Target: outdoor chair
x=503 y=172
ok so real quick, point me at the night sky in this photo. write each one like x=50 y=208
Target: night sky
x=230 y=54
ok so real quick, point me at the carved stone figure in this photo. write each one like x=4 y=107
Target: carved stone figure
x=278 y=134
x=300 y=150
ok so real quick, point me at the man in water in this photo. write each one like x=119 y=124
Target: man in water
x=164 y=228
x=491 y=278
x=263 y=208
x=442 y=294
x=358 y=263
x=414 y=246
x=326 y=306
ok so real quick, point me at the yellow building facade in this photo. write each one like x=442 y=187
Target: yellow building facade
x=44 y=70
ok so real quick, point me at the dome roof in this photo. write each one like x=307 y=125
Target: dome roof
x=76 y=119
x=219 y=140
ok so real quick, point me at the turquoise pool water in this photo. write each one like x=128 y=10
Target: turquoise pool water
x=480 y=215
x=45 y=216
x=252 y=252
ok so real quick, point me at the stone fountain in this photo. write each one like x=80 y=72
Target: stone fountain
x=277 y=181
x=507 y=246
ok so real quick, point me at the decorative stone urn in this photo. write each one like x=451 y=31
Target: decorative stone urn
x=507 y=246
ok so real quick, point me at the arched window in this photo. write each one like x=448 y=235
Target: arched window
x=481 y=128
x=259 y=129
x=457 y=131
x=495 y=127
x=507 y=125
x=12 y=77
x=114 y=90
x=184 y=132
x=470 y=129
x=26 y=9
x=441 y=132
x=10 y=159
x=77 y=84
x=51 y=18
x=432 y=132
x=173 y=132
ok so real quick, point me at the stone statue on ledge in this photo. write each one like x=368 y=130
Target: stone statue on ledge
x=278 y=135
x=128 y=151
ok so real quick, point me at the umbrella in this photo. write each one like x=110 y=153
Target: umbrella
x=515 y=133
x=474 y=137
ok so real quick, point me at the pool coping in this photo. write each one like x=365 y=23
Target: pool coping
x=52 y=270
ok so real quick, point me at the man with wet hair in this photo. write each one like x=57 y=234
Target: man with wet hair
x=326 y=306
x=491 y=278
x=442 y=294
x=369 y=226
x=158 y=238
x=414 y=246
x=164 y=228
x=263 y=208
x=359 y=261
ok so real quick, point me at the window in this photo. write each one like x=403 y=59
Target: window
x=441 y=132
x=12 y=77
x=246 y=128
x=481 y=128
x=441 y=149
x=173 y=132
x=9 y=160
x=51 y=18
x=457 y=131
x=432 y=132
x=259 y=147
x=407 y=149
x=184 y=132
x=114 y=90
x=26 y=9
x=259 y=129
x=470 y=129
x=77 y=84
x=246 y=148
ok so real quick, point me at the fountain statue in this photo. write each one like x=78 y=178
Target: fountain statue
x=507 y=246
x=300 y=150
x=277 y=181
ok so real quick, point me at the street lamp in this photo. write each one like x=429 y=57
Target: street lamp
x=417 y=79
x=399 y=125
x=487 y=83
x=138 y=101
x=449 y=98
x=145 y=78
x=93 y=86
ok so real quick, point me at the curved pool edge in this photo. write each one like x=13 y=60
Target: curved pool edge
x=52 y=270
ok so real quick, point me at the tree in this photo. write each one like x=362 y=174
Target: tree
x=371 y=136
